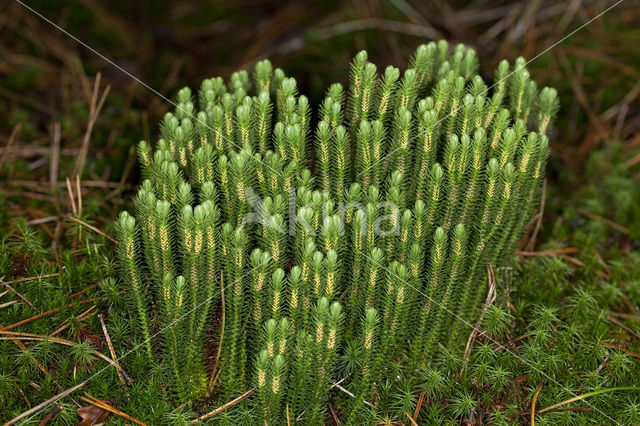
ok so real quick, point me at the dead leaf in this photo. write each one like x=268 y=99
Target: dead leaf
x=92 y=415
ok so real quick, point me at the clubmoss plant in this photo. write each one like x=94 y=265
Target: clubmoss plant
x=369 y=231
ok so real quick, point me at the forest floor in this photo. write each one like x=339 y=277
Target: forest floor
x=81 y=84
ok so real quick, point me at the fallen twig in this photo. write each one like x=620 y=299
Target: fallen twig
x=49 y=416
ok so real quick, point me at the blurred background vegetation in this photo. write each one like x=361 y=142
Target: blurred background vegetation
x=66 y=110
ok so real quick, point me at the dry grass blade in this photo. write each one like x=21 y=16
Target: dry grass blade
x=54 y=163
x=214 y=373
x=334 y=415
x=543 y=198
x=224 y=407
x=44 y=404
x=93 y=228
x=101 y=404
x=74 y=209
x=587 y=395
x=94 y=112
x=491 y=297
x=38 y=364
x=10 y=335
x=337 y=385
x=604 y=220
x=533 y=404
x=14 y=135
x=621 y=325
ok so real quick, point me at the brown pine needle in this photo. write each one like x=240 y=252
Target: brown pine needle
x=44 y=314
x=19 y=295
x=22 y=280
x=121 y=374
x=633 y=354
x=224 y=407
x=555 y=252
x=101 y=404
x=86 y=314
x=533 y=404
x=83 y=291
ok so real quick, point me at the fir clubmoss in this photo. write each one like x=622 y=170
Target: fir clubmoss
x=371 y=230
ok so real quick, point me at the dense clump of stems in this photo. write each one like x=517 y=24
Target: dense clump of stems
x=367 y=234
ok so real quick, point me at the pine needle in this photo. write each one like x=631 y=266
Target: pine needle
x=120 y=371
x=633 y=354
x=22 y=280
x=101 y=404
x=224 y=407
